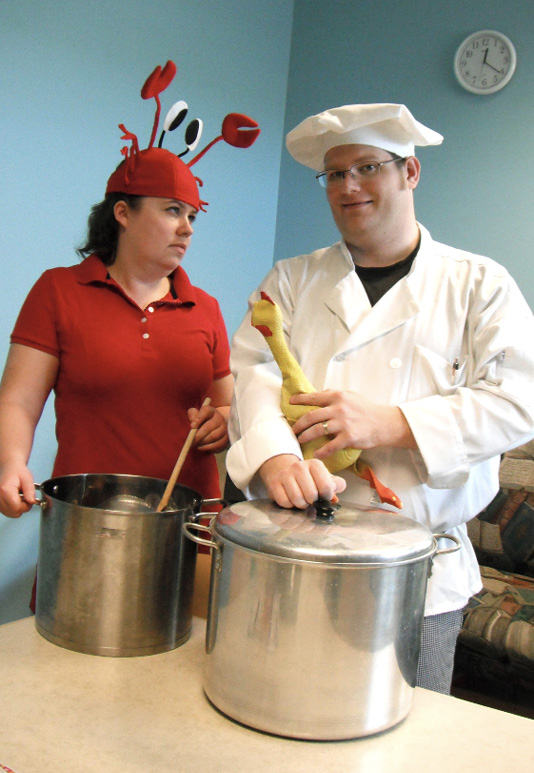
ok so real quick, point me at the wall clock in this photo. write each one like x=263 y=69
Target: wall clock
x=485 y=62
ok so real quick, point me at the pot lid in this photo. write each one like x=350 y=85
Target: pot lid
x=359 y=535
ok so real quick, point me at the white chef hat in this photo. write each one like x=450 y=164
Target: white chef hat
x=388 y=126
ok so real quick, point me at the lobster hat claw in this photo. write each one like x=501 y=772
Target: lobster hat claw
x=155 y=172
x=388 y=126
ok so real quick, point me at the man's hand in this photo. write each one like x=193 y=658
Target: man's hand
x=352 y=421
x=292 y=482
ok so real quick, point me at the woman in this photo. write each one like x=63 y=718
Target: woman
x=130 y=348
x=128 y=345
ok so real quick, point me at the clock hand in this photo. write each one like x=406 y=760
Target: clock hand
x=485 y=55
x=492 y=67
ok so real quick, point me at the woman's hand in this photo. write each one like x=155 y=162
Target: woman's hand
x=28 y=378
x=352 y=421
x=212 y=420
x=16 y=479
x=212 y=432
x=293 y=482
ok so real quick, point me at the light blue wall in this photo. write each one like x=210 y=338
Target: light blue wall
x=477 y=189
x=69 y=73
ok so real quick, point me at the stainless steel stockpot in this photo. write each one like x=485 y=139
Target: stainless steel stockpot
x=115 y=577
x=314 y=620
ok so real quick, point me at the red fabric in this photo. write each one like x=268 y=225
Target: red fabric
x=155 y=172
x=158 y=80
x=232 y=127
x=120 y=398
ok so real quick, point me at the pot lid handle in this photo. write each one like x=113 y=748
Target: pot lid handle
x=324 y=510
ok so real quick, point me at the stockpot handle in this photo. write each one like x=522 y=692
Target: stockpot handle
x=217 y=501
x=457 y=544
x=209 y=514
x=189 y=529
x=39 y=502
x=188 y=526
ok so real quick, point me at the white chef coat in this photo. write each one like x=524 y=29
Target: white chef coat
x=452 y=344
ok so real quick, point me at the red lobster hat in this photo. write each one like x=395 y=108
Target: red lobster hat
x=158 y=172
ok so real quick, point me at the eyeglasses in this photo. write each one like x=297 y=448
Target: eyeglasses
x=363 y=171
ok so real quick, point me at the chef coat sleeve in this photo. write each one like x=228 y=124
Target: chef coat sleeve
x=487 y=408
x=258 y=429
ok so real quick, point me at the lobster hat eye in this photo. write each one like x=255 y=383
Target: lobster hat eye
x=155 y=172
x=175 y=116
x=193 y=133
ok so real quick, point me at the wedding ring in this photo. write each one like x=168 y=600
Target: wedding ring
x=325 y=428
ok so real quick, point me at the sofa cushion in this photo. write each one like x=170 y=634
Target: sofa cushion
x=499 y=622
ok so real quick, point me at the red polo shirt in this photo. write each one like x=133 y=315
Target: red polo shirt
x=126 y=375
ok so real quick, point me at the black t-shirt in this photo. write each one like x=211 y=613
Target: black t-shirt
x=377 y=281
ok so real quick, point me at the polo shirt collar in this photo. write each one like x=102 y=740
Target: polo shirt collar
x=93 y=271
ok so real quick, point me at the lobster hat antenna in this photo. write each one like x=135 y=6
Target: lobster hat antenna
x=160 y=173
x=157 y=81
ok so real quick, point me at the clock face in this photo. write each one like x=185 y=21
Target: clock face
x=485 y=62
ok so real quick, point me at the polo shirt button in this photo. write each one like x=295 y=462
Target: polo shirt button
x=146 y=335
x=144 y=319
x=150 y=309
x=395 y=363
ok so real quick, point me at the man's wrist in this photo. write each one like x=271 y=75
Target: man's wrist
x=274 y=464
x=396 y=430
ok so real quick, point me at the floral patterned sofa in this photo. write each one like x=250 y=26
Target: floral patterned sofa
x=495 y=652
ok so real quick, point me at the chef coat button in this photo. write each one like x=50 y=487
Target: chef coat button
x=395 y=363
x=144 y=319
x=146 y=335
x=150 y=309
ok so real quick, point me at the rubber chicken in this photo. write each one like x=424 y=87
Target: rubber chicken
x=267 y=319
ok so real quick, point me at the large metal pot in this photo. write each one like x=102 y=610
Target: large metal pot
x=115 y=577
x=314 y=620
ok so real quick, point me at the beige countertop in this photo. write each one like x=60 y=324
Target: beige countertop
x=64 y=711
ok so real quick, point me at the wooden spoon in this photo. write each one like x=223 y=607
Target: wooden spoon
x=179 y=464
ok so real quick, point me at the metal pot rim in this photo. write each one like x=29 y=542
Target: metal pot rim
x=356 y=535
x=326 y=561
x=86 y=490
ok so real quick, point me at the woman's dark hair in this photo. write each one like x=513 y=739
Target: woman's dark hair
x=103 y=229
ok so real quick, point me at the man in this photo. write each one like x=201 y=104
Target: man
x=422 y=356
